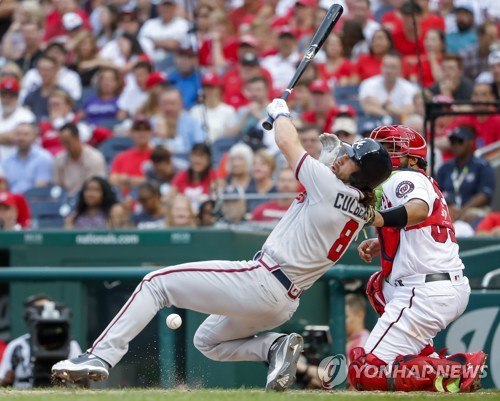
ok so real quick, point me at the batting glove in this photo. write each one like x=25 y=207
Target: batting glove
x=331 y=148
x=277 y=108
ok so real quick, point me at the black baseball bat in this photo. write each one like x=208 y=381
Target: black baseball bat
x=324 y=29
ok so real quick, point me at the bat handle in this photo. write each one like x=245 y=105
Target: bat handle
x=268 y=124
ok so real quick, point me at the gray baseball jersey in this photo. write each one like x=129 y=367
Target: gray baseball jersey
x=319 y=226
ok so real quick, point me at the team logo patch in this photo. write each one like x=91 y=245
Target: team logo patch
x=301 y=197
x=404 y=188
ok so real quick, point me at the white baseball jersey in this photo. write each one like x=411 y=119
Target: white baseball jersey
x=319 y=225
x=427 y=248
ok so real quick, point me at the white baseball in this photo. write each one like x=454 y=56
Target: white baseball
x=174 y=321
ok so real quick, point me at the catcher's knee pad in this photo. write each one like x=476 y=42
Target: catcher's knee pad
x=366 y=372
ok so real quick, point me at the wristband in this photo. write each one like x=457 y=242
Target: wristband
x=282 y=114
x=395 y=217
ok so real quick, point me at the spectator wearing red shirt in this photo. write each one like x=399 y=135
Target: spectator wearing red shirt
x=429 y=19
x=489 y=226
x=219 y=48
x=23 y=209
x=434 y=46
x=324 y=110
x=274 y=210
x=369 y=65
x=336 y=70
x=393 y=20
x=128 y=167
x=199 y=181
x=54 y=26
x=405 y=41
x=247 y=68
x=239 y=14
x=487 y=127
x=10 y=213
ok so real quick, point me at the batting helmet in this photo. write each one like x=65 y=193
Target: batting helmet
x=374 y=162
x=400 y=141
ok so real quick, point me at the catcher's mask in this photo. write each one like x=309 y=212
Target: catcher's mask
x=400 y=141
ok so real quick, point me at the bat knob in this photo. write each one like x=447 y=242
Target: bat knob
x=268 y=124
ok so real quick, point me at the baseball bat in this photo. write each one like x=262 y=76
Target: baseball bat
x=324 y=29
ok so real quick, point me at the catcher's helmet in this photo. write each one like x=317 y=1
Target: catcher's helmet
x=400 y=141
x=374 y=162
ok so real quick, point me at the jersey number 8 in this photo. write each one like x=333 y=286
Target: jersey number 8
x=345 y=238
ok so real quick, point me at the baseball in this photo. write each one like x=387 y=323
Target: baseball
x=173 y=321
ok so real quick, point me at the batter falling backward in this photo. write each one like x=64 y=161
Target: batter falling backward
x=421 y=288
x=248 y=297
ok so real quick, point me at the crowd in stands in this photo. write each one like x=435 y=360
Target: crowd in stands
x=147 y=114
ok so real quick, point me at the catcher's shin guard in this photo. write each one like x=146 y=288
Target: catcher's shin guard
x=366 y=372
x=456 y=373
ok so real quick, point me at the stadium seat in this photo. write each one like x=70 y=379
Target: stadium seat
x=112 y=146
x=369 y=123
x=491 y=280
x=221 y=146
x=53 y=194
x=349 y=96
x=48 y=214
x=87 y=94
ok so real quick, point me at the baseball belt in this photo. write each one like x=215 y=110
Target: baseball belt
x=293 y=291
x=426 y=278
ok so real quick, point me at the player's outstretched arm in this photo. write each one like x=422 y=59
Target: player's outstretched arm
x=411 y=213
x=285 y=133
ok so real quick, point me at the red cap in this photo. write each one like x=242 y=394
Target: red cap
x=346 y=109
x=143 y=57
x=10 y=84
x=8 y=199
x=155 y=78
x=210 y=79
x=319 y=86
x=285 y=30
x=307 y=3
x=141 y=123
x=248 y=40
